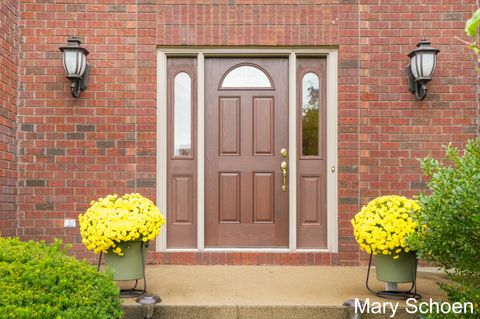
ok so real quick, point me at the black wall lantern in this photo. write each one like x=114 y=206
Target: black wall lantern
x=74 y=59
x=420 y=69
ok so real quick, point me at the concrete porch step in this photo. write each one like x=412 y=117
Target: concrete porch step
x=254 y=312
x=259 y=292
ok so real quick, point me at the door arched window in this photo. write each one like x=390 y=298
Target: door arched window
x=246 y=76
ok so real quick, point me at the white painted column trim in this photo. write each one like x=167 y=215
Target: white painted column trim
x=162 y=145
x=292 y=150
x=332 y=146
x=200 y=152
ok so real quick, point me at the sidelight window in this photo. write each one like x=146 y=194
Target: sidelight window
x=182 y=115
x=310 y=114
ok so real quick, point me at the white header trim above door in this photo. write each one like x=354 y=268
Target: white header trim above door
x=332 y=93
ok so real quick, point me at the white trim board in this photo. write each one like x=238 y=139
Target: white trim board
x=292 y=149
x=161 y=182
x=200 y=152
x=332 y=147
x=332 y=93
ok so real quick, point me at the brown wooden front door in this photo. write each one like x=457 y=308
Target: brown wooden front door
x=246 y=126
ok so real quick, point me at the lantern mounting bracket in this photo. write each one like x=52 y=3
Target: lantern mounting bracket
x=416 y=87
x=79 y=84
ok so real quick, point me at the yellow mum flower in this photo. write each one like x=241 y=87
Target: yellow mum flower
x=382 y=225
x=112 y=220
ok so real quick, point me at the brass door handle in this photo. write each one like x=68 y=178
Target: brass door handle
x=284 y=168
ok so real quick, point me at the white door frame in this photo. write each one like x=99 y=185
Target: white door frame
x=331 y=138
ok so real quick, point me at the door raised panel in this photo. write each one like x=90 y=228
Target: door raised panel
x=182 y=199
x=229 y=117
x=310 y=188
x=263 y=126
x=263 y=197
x=229 y=189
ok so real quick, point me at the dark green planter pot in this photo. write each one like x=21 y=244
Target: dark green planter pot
x=130 y=265
x=398 y=270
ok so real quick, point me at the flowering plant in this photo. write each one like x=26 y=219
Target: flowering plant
x=382 y=225
x=112 y=220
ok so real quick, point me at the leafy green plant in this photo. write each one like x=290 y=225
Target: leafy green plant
x=472 y=24
x=39 y=281
x=449 y=220
x=471 y=28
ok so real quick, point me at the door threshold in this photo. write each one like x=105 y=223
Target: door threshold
x=253 y=250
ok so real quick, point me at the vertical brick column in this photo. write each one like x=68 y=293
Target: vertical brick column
x=8 y=115
x=348 y=126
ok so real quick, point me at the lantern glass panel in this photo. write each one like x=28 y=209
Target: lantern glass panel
x=74 y=62
x=428 y=63
x=69 y=61
x=82 y=63
x=414 y=67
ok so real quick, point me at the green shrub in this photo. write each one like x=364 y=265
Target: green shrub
x=39 y=281
x=450 y=219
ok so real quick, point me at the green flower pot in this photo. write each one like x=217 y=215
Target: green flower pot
x=398 y=270
x=129 y=266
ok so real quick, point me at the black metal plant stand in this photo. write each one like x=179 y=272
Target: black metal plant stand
x=131 y=292
x=399 y=295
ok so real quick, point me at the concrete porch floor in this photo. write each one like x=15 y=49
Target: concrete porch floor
x=265 y=291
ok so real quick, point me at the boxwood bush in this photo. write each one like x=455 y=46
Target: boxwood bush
x=39 y=281
x=450 y=223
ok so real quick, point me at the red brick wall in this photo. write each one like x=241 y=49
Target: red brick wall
x=394 y=129
x=8 y=113
x=75 y=150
